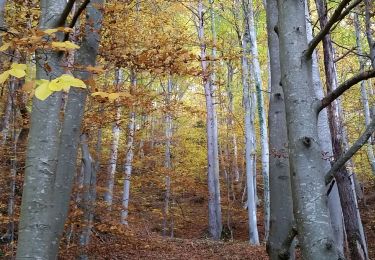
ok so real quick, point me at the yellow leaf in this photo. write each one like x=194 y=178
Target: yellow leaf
x=70 y=81
x=4 y=76
x=113 y=96
x=51 y=31
x=67 y=45
x=101 y=94
x=55 y=85
x=42 y=91
x=5 y=46
x=18 y=66
x=17 y=73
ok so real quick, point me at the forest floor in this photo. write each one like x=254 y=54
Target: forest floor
x=143 y=239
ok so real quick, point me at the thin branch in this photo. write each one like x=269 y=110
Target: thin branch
x=65 y=13
x=324 y=31
x=344 y=87
x=355 y=147
x=287 y=243
x=76 y=16
x=347 y=10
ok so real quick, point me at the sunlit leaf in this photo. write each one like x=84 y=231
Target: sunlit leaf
x=42 y=92
x=4 y=76
x=18 y=66
x=100 y=94
x=51 y=31
x=113 y=96
x=67 y=45
x=5 y=46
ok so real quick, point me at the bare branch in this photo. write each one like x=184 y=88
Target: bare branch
x=65 y=13
x=355 y=147
x=335 y=18
x=344 y=87
x=284 y=250
x=76 y=16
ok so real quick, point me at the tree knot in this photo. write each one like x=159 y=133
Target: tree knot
x=306 y=141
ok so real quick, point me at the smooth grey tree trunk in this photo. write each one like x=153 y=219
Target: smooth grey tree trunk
x=116 y=130
x=369 y=9
x=249 y=103
x=88 y=196
x=71 y=127
x=230 y=123
x=256 y=71
x=324 y=133
x=357 y=245
x=364 y=95
x=307 y=172
x=281 y=203
x=214 y=205
x=35 y=227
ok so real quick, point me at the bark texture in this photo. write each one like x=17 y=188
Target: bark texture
x=308 y=186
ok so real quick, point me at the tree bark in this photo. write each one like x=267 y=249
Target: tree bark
x=35 y=228
x=108 y=196
x=308 y=186
x=128 y=166
x=281 y=203
x=364 y=95
x=256 y=71
x=71 y=126
x=249 y=102
x=214 y=206
x=326 y=148
x=351 y=221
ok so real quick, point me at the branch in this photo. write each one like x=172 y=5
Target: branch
x=76 y=16
x=324 y=31
x=65 y=13
x=344 y=87
x=355 y=147
x=348 y=9
x=285 y=246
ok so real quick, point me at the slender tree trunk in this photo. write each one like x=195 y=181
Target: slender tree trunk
x=256 y=71
x=35 y=228
x=364 y=95
x=369 y=9
x=230 y=123
x=214 y=206
x=250 y=152
x=249 y=104
x=88 y=196
x=168 y=126
x=108 y=197
x=281 y=203
x=129 y=158
x=307 y=172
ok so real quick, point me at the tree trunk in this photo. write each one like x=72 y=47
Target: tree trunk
x=129 y=158
x=347 y=198
x=364 y=95
x=88 y=196
x=214 y=206
x=281 y=203
x=108 y=196
x=324 y=134
x=71 y=127
x=35 y=227
x=307 y=173
x=256 y=71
